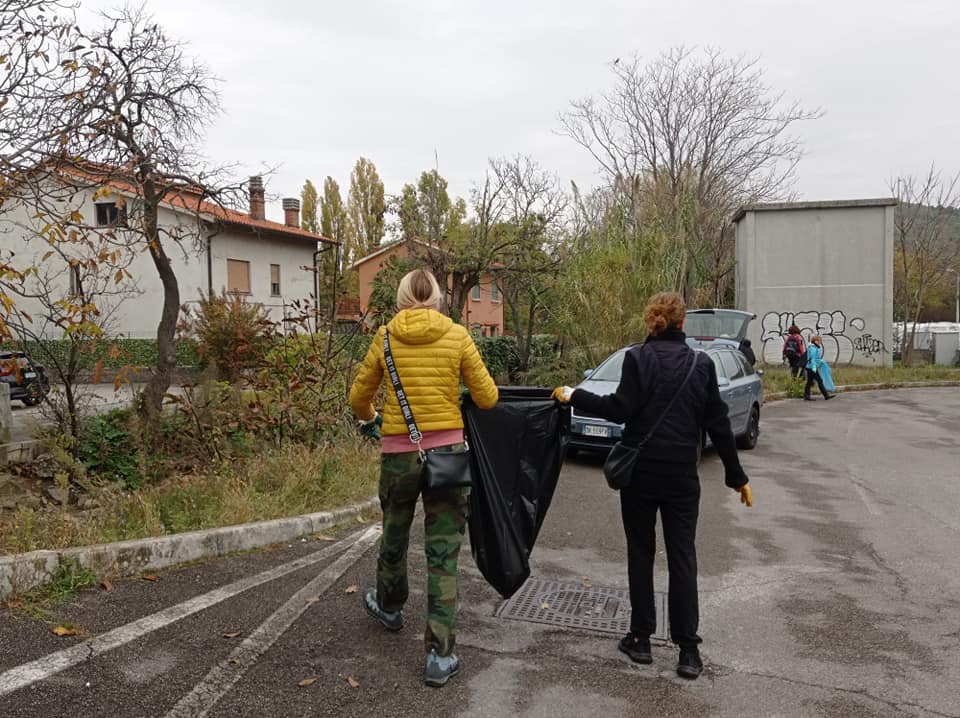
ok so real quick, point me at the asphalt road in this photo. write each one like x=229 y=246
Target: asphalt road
x=838 y=594
x=94 y=399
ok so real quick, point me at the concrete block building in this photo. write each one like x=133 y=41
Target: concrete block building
x=826 y=267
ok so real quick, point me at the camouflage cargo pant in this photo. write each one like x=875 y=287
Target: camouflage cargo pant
x=445 y=521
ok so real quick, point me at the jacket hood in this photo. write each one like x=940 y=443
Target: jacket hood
x=419 y=326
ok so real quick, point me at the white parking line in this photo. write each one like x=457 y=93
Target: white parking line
x=225 y=674
x=28 y=673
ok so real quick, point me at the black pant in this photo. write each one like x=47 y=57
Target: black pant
x=678 y=500
x=796 y=367
x=814 y=376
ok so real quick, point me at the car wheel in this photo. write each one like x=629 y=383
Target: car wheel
x=34 y=397
x=749 y=440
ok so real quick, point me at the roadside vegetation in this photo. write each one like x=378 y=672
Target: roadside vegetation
x=265 y=433
x=778 y=379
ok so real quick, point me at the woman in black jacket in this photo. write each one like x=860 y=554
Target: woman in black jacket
x=666 y=478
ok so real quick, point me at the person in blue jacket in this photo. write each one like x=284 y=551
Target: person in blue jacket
x=816 y=368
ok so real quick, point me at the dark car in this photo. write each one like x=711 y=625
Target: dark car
x=28 y=381
x=740 y=387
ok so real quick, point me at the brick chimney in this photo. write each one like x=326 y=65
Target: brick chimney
x=257 y=203
x=291 y=212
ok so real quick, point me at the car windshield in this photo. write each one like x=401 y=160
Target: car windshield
x=725 y=325
x=610 y=369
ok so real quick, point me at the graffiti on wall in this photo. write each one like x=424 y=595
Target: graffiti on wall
x=843 y=339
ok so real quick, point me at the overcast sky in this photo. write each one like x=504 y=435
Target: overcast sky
x=311 y=86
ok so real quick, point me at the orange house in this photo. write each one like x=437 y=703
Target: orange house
x=483 y=313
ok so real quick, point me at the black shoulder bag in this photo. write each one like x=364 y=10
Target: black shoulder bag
x=620 y=464
x=439 y=469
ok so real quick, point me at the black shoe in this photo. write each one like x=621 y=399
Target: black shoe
x=689 y=666
x=807 y=398
x=637 y=647
x=828 y=397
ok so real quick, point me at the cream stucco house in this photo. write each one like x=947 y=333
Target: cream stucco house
x=270 y=263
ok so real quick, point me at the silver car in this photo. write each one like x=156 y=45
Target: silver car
x=740 y=387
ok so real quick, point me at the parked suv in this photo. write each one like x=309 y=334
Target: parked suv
x=28 y=381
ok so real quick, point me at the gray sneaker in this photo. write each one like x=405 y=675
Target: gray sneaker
x=391 y=620
x=440 y=669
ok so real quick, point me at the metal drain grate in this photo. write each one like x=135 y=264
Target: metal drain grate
x=572 y=605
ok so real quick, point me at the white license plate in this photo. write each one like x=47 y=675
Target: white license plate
x=589 y=430
x=29 y=375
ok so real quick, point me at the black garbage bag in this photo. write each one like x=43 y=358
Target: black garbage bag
x=517 y=450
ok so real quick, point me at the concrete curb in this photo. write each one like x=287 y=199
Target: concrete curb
x=780 y=395
x=21 y=573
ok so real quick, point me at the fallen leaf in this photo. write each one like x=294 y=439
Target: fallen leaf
x=150 y=577
x=234 y=634
x=307 y=682
x=544 y=605
x=65 y=631
x=324 y=537
x=106 y=585
x=352 y=589
x=354 y=683
x=313 y=599
x=234 y=661
x=360 y=519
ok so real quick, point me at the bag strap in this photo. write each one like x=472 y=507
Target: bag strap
x=663 y=415
x=415 y=436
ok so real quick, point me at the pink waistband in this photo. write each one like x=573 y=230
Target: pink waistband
x=400 y=443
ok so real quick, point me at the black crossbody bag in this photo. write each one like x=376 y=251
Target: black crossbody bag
x=622 y=461
x=439 y=469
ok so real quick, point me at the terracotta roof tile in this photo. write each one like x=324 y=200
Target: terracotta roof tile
x=191 y=198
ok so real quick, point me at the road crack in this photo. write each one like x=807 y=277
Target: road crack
x=896 y=705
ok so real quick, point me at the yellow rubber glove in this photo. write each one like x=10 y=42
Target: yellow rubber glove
x=562 y=394
x=746 y=495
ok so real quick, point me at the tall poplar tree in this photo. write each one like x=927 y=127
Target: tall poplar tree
x=308 y=208
x=365 y=209
x=333 y=215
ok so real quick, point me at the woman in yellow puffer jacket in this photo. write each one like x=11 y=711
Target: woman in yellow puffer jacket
x=431 y=354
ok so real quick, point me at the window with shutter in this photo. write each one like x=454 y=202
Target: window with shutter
x=238 y=276
x=274 y=280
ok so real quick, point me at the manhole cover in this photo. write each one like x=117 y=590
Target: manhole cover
x=573 y=605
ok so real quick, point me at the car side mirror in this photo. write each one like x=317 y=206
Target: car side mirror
x=722 y=381
x=587 y=373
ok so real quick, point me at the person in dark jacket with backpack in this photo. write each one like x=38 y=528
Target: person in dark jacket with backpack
x=794 y=351
x=665 y=478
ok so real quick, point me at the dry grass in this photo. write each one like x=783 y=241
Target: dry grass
x=285 y=482
x=776 y=379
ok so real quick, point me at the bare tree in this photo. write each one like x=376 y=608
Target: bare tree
x=143 y=115
x=695 y=134
x=927 y=240
x=74 y=294
x=40 y=79
x=535 y=209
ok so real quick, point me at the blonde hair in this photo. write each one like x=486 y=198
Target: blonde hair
x=664 y=310
x=418 y=289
